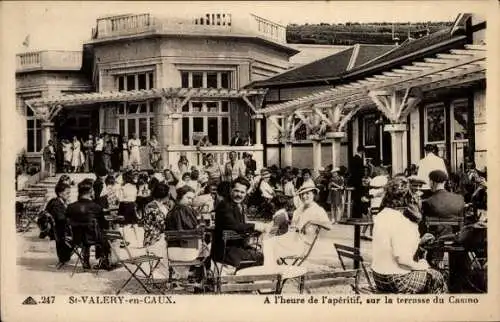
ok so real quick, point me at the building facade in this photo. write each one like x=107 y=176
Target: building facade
x=429 y=90
x=132 y=65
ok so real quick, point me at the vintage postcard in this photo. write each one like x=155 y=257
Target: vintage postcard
x=239 y=161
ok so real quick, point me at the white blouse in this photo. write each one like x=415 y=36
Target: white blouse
x=394 y=236
x=128 y=193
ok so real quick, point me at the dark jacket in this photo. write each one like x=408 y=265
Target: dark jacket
x=443 y=204
x=229 y=217
x=356 y=171
x=237 y=141
x=57 y=209
x=181 y=218
x=86 y=219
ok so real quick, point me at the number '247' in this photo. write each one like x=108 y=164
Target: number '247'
x=48 y=299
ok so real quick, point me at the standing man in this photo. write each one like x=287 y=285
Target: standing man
x=230 y=215
x=428 y=164
x=249 y=162
x=98 y=163
x=88 y=147
x=234 y=168
x=357 y=171
x=49 y=157
x=236 y=140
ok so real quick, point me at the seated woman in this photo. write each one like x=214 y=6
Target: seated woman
x=183 y=217
x=396 y=241
x=300 y=235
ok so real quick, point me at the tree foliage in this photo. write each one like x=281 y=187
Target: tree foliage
x=350 y=33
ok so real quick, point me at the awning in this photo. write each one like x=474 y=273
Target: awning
x=138 y=95
x=458 y=66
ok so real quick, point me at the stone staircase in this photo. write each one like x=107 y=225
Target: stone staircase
x=46 y=186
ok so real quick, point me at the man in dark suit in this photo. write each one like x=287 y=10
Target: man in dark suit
x=236 y=140
x=356 y=172
x=250 y=163
x=87 y=219
x=442 y=204
x=230 y=215
x=56 y=207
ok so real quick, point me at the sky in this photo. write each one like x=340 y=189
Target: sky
x=67 y=25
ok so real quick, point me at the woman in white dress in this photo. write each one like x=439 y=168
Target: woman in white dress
x=67 y=148
x=77 y=158
x=300 y=235
x=133 y=146
x=125 y=161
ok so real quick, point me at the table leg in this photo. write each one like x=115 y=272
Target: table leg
x=357 y=242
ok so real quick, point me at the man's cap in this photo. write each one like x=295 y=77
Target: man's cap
x=438 y=176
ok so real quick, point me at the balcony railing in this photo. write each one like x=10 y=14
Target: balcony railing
x=59 y=60
x=220 y=153
x=207 y=24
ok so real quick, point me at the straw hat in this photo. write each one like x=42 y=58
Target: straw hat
x=306 y=187
x=336 y=169
x=378 y=181
x=264 y=173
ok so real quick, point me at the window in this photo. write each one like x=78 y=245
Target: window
x=370 y=130
x=434 y=126
x=136 y=118
x=136 y=81
x=205 y=118
x=33 y=125
x=459 y=133
x=34 y=128
x=208 y=79
x=300 y=133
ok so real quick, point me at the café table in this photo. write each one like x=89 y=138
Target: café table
x=357 y=223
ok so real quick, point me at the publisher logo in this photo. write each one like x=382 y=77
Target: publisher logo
x=29 y=301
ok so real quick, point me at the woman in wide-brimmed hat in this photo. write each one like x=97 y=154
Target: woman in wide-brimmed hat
x=300 y=235
x=396 y=240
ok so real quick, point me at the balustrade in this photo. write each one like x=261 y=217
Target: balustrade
x=49 y=59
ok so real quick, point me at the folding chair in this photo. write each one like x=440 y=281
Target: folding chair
x=355 y=254
x=250 y=284
x=135 y=261
x=230 y=235
x=298 y=260
x=198 y=262
x=77 y=249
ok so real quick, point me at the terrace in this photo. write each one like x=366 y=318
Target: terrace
x=49 y=60
x=214 y=24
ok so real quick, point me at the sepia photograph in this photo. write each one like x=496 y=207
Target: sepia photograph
x=175 y=148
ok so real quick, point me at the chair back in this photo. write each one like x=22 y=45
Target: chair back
x=318 y=226
x=250 y=283
x=194 y=234
x=353 y=253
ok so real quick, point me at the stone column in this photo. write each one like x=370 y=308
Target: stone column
x=399 y=155
x=288 y=153
x=316 y=141
x=163 y=129
x=258 y=130
x=47 y=130
x=336 y=138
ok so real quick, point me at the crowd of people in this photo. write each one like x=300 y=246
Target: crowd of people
x=106 y=152
x=177 y=198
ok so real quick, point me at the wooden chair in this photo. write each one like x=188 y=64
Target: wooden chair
x=355 y=254
x=327 y=279
x=135 y=261
x=298 y=260
x=455 y=223
x=77 y=249
x=271 y=283
x=197 y=236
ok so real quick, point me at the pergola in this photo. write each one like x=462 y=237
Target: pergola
x=395 y=93
x=168 y=111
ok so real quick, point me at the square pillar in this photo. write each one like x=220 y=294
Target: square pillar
x=398 y=136
x=163 y=129
x=47 y=131
x=288 y=153
x=316 y=141
x=336 y=138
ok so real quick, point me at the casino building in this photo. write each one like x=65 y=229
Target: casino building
x=219 y=73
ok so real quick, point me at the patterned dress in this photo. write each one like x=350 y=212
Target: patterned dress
x=155 y=214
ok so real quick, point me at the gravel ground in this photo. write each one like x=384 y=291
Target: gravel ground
x=36 y=261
